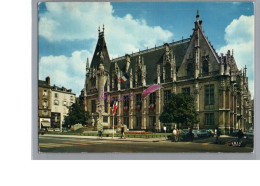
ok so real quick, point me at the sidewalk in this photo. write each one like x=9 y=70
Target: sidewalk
x=108 y=138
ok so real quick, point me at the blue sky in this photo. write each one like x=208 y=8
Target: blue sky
x=68 y=32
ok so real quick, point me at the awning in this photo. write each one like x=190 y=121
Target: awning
x=45 y=124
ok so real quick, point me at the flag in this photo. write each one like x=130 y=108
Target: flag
x=124 y=77
x=150 y=90
x=114 y=107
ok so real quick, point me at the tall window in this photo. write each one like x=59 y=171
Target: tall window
x=186 y=90
x=45 y=92
x=167 y=71
x=93 y=82
x=139 y=78
x=209 y=94
x=105 y=105
x=167 y=95
x=205 y=67
x=115 y=83
x=138 y=121
x=152 y=121
x=93 y=106
x=138 y=100
x=56 y=95
x=126 y=103
x=209 y=119
x=152 y=98
x=190 y=70
x=45 y=104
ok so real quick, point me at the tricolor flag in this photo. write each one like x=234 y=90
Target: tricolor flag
x=124 y=77
x=114 y=107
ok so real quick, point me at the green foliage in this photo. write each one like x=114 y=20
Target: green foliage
x=180 y=109
x=76 y=115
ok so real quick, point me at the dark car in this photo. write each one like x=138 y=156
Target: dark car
x=203 y=133
x=235 y=132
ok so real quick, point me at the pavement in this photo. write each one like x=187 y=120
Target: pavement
x=110 y=138
x=126 y=139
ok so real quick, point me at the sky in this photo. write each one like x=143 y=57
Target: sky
x=68 y=32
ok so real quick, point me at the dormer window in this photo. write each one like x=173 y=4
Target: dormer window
x=167 y=71
x=190 y=70
x=205 y=67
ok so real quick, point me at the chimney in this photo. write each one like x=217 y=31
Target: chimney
x=48 y=81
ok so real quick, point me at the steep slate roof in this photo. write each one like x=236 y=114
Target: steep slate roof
x=152 y=57
x=101 y=47
x=43 y=84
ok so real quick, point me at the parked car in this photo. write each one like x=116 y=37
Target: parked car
x=234 y=133
x=249 y=134
x=57 y=130
x=203 y=133
x=211 y=132
x=50 y=129
x=195 y=132
x=184 y=133
x=42 y=131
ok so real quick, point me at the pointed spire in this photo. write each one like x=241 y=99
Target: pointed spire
x=87 y=65
x=98 y=29
x=197 y=16
x=103 y=28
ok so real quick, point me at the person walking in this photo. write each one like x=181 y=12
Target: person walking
x=123 y=132
x=240 y=135
x=218 y=132
x=174 y=135
x=99 y=127
x=179 y=135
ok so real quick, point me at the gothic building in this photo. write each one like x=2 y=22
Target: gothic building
x=192 y=66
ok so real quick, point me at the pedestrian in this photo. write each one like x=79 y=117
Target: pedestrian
x=99 y=127
x=122 y=132
x=218 y=132
x=174 y=135
x=179 y=135
x=240 y=135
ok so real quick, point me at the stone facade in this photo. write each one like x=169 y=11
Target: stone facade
x=62 y=99
x=192 y=66
x=44 y=103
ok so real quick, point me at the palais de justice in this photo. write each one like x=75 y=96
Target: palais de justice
x=192 y=66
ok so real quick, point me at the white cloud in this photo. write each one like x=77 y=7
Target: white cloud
x=65 y=71
x=71 y=21
x=239 y=36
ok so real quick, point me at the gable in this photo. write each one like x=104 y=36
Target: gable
x=206 y=53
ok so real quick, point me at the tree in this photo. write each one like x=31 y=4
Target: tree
x=76 y=115
x=180 y=109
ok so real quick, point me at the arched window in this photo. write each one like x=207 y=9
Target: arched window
x=205 y=67
x=167 y=71
x=189 y=70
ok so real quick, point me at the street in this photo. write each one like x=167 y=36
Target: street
x=56 y=143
